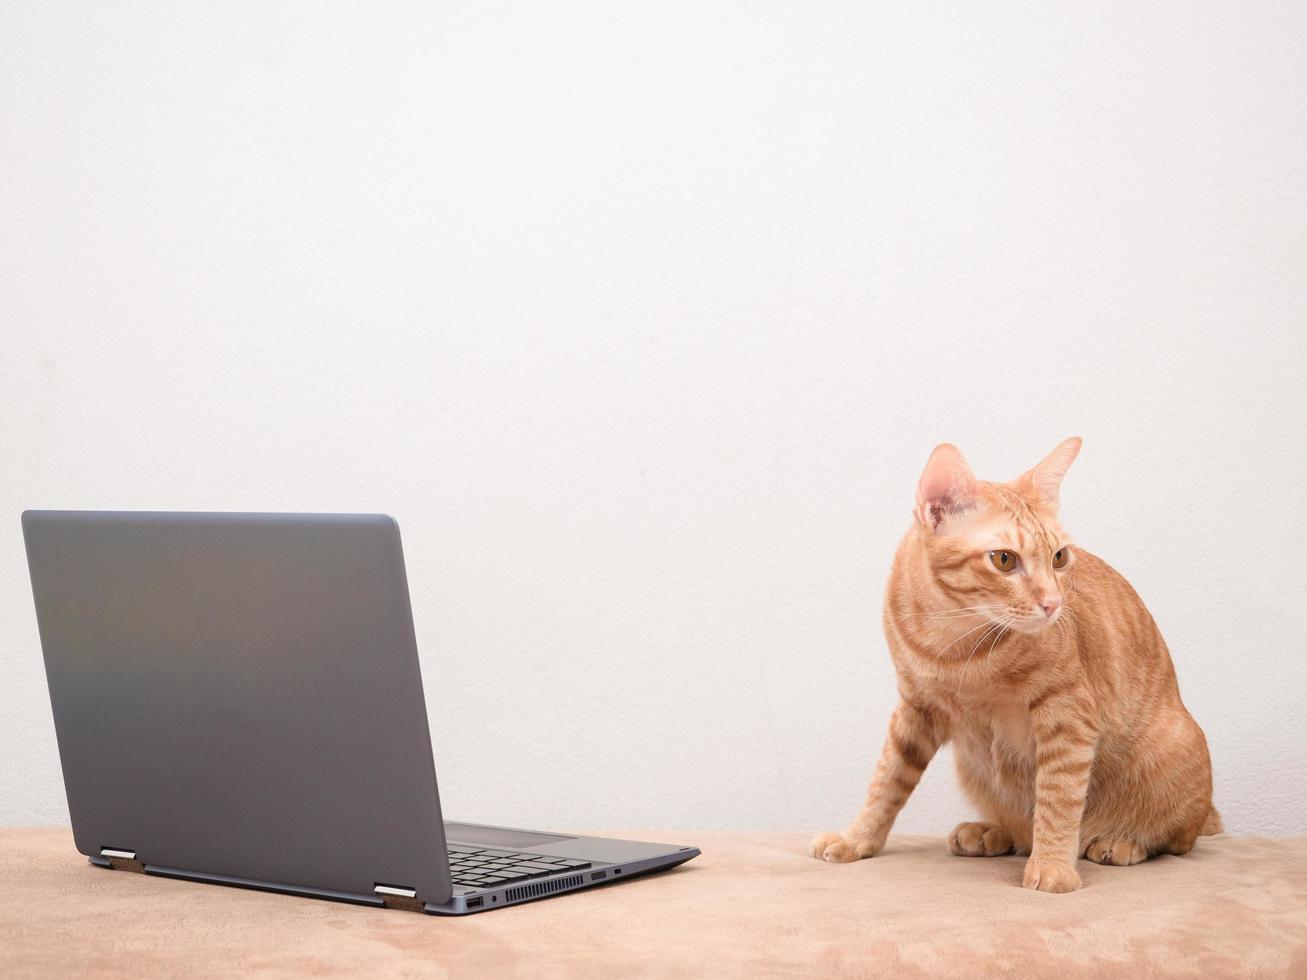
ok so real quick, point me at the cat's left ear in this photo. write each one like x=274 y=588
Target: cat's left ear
x=1046 y=478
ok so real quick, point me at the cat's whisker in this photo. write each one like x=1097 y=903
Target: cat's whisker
x=1068 y=619
x=940 y=650
x=959 y=612
x=997 y=623
x=1001 y=633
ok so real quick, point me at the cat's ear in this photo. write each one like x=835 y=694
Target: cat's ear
x=1046 y=478
x=947 y=485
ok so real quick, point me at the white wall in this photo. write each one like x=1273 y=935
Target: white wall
x=643 y=323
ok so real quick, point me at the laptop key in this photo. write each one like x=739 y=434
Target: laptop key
x=538 y=866
x=528 y=871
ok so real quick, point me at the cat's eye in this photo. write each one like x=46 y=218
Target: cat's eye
x=1004 y=561
x=1061 y=557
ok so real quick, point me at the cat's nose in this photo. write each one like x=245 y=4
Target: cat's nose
x=1050 y=604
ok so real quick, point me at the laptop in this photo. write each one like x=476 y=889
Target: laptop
x=237 y=700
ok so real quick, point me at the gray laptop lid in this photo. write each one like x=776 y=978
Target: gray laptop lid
x=239 y=694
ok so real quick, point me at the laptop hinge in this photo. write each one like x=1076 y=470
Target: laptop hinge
x=122 y=860
x=398 y=897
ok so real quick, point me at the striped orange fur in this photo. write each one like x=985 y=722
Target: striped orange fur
x=1043 y=668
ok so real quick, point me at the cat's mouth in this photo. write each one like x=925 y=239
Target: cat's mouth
x=1035 y=621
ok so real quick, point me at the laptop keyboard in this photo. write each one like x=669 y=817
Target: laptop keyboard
x=475 y=867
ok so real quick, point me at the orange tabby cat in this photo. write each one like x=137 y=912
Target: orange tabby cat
x=1044 y=669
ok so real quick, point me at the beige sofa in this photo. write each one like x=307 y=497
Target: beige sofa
x=753 y=905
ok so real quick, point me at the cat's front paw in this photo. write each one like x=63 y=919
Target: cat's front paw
x=838 y=849
x=1050 y=876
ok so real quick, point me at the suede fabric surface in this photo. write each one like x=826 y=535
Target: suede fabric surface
x=754 y=904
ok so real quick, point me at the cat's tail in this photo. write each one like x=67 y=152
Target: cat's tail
x=1212 y=825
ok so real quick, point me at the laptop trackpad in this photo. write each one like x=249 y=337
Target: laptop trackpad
x=469 y=833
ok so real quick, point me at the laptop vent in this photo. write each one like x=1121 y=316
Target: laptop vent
x=523 y=892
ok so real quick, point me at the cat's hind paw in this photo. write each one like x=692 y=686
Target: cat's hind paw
x=837 y=849
x=1120 y=851
x=979 y=840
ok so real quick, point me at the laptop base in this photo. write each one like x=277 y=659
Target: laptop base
x=645 y=858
